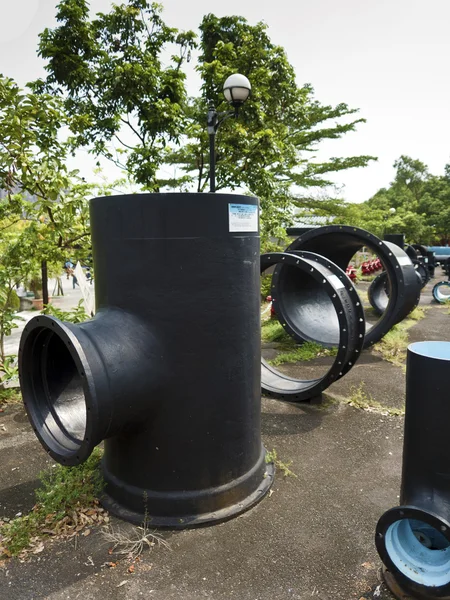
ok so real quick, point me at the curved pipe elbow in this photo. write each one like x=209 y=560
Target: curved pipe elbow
x=84 y=383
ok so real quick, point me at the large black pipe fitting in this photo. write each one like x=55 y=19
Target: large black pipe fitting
x=339 y=243
x=413 y=540
x=320 y=300
x=168 y=371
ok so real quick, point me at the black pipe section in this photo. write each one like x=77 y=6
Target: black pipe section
x=431 y=262
x=167 y=373
x=395 y=238
x=378 y=293
x=323 y=306
x=379 y=290
x=413 y=539
x=441 y=292
x=339 y=243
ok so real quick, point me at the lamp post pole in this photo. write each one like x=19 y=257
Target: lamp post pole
x=236 y=90
x=212 y=128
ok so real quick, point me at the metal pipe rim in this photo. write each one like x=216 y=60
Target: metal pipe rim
x=48 y=344
x=276 y=384
x=420 y=570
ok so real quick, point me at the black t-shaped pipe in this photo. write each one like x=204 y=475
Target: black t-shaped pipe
x=168 y=371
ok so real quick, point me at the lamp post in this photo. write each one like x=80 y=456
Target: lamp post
x=389 y=214
x=236 y=90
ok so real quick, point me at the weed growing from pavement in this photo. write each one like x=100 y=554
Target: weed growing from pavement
x=66 y=504
x=392 y=347
x=272 y=457
x=359 y=398
x=10 y=396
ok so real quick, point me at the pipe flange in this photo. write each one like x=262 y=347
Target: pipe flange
x=323 y=284
x=339 y=243
x=357 y=306
x=414 y=546
x=53 y=356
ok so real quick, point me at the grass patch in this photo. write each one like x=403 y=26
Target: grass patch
x=266 y=286
x=304 y=352
x=272 y=331
x=66 y=503
x=272 y=457
x=392 y=347
x=10 y=396
x=359 y=398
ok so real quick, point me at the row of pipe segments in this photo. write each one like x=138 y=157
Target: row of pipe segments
x=169 y=380
x=314 y=299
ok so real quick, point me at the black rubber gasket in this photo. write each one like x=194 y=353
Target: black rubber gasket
x=322 y=280
x=339 y=243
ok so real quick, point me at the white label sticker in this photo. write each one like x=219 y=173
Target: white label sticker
x=243 y=217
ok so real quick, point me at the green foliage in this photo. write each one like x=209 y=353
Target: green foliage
x=63 y=491
x=117 y=88
x=392 y=347
x=421 y=202
x=272 y=331
x=10 y=396
x=77 y=315
x=360 y=398
x=304 y=352
x=9 y=369
x=266 y=286
x=123 y=103
x=272 y=457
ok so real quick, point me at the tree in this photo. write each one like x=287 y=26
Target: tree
x=124 y=103
x=43 y=211
x=109 y=73
x=421 y=201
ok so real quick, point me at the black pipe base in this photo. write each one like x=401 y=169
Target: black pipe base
x=414 y=545
x=163 y=509
x=393 y=585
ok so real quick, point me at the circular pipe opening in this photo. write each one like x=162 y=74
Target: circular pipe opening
x=441 y=292
x=378 y=293
x=324 y=292
x=308 y=307
x=419 y=551
x=53 y=388
x=339 y=243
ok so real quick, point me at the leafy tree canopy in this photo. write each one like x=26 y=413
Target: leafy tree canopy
x=421 y=201
x=126 y=100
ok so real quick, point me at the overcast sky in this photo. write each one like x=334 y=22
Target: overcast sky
x=389 y=58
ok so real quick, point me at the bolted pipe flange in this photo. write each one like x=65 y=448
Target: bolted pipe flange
x=328 y=292
x=413 y=540
x=339 y=243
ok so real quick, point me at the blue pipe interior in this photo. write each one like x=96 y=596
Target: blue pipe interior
x=419 y=551
x=439 y=350
x=441 y=291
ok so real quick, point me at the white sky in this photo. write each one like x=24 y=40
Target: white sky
x=389 y=58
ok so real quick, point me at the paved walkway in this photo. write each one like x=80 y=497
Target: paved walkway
x=311 y=539
x=67 y=302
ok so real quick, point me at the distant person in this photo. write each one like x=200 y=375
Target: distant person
x=68 y=268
